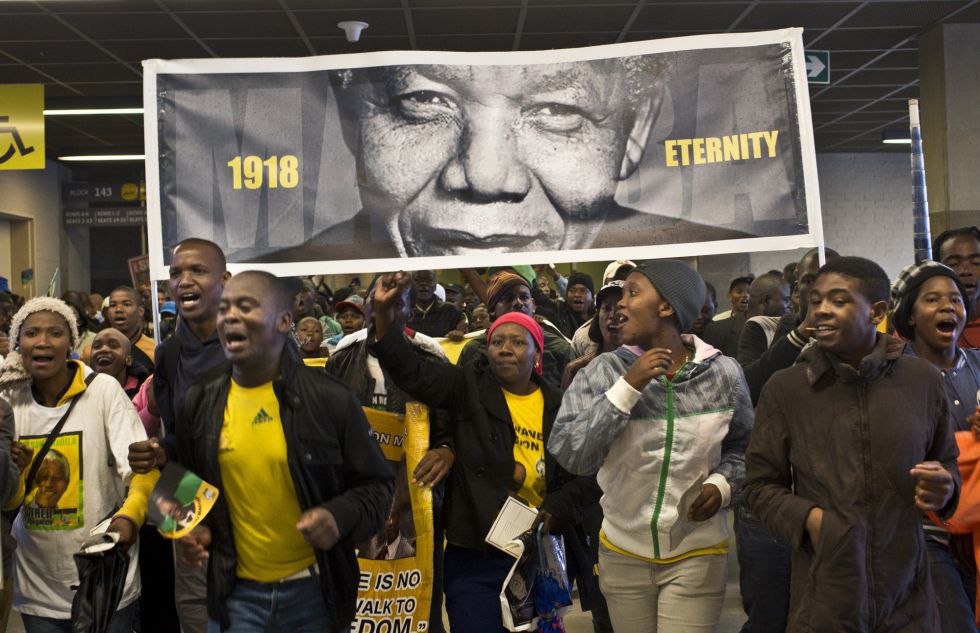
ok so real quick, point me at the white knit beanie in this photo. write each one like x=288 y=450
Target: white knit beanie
x=12 y=372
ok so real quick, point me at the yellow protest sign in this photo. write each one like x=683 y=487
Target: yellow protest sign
x=21 y=126
x=395 y=586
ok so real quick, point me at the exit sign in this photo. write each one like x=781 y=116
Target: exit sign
x=817 y=66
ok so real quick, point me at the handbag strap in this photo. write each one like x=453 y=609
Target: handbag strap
x=52 y=436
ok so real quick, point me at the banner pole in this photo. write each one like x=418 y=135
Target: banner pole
x=156 y=311
x=921 y=233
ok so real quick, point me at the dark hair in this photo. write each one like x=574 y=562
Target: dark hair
x=84 y=322
x=137 y=297
x=200 y=241
x=595 y=334
x=712 y=292
x=789 y=273
x=945 y=236
x=279 y=289
x=828 y=254
x=873 y=280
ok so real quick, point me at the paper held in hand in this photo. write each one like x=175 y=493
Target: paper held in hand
x=684 y=525
x=514 y=519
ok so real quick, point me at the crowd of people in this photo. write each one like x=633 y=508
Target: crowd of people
x=826 y=409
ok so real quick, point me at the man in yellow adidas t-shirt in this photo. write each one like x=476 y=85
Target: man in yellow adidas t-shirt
x=300 y=474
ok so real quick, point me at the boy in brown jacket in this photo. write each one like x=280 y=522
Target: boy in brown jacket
x=850 y=447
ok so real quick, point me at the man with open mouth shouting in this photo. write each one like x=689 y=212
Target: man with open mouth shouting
x=197 y=276
x=302 y=478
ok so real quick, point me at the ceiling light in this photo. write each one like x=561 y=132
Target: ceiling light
x=896 y=137
x=106 y=157
x=90 y=111
x=352 y=28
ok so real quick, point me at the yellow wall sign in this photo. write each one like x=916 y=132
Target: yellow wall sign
x=21 y=126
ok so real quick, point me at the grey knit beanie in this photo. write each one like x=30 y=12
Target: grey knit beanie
x=679 y=284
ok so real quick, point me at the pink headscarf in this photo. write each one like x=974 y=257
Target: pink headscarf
x=528 y=324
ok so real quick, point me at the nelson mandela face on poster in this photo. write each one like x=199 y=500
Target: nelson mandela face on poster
x=453 y=160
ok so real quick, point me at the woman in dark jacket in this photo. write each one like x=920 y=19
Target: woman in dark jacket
x=502 y=416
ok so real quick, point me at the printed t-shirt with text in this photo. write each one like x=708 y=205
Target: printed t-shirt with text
x=527 y=413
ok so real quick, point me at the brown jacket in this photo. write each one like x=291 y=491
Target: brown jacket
x=845 y=440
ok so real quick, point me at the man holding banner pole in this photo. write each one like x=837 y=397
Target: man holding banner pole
x=301 y=475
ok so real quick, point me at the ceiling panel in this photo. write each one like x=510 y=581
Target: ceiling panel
x=466 y=42
x=106 y=71
x=137 y=50
x=362 y=5
x=815 y=15
x=248 y=47
x=546 y=41
x=31 y=26
x=125 y=26
x=462 y=21
x=15 y=74
x=135 y=30
x=226 y=6
x=338 y=45
x=53 y=52
x=691 y=16
x=463 y=5
x=99 y=6
x=238 y=24
x=321 y=23
x=583 y=19
x=882 y=77
x=916 y=14
x=849 y=60
x=868 y=38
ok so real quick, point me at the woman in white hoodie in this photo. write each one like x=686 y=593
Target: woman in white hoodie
x=82 y=478
x=664 y=420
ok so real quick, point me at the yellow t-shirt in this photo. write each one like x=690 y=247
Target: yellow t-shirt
x=258 y=487
x=527 y=413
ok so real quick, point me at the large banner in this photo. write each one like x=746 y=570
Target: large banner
x=346 y=163
x=395 y=588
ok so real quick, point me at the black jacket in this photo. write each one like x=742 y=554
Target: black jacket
x=782 y=353
x=484 y=442
x=334 y=461
x=724 y=334
x=844 y=439
x=349 y=365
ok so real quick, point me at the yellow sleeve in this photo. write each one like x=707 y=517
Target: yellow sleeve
x=138 y=498
x=14 y=502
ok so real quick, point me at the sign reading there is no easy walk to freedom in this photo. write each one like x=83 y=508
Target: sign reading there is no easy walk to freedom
x=817 y=66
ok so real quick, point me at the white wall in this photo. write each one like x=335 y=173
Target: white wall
x=36 y=194
x=866 y=202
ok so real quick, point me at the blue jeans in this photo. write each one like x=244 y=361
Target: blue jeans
x=473 y=584
x=293 y=605
x=955 y=589
x=763 y=574
x=122 y=622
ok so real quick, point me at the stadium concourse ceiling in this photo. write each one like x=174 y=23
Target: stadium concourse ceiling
x=88 y=52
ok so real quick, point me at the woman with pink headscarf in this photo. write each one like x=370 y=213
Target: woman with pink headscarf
x=502 y=414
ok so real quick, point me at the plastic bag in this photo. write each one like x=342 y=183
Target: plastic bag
x=102 y=568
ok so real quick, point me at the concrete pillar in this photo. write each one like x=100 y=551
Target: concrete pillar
x=949 y=89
